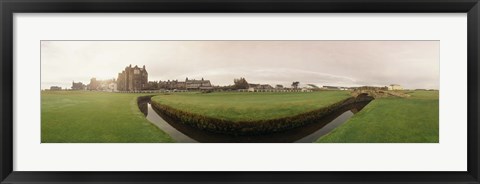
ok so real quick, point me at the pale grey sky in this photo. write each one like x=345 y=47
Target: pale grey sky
x=412 y=64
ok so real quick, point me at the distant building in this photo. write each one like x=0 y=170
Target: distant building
x=305 y=89
x=112 y=86
x=180 y=85
x=371 y=88
x=171 y=84
x=152 y=85
x=312 y=86
x=78 y=86
x=253 y=86
x=132 y=79
x=198 y=84
x=102 y=85
x=394 y=87
x=261 y=87
x=265 y=86
x=93 y=85
x=55 y=88
x=331 y=87
x=335 y=88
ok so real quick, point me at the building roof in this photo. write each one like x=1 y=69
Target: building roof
x=193 y=80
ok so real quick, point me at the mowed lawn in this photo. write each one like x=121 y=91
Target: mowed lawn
x=250 y=106
x=392 y=120
x=95 y=117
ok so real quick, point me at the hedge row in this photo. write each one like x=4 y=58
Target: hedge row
x=250 y=127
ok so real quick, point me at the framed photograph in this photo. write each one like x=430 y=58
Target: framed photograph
x=353 y=91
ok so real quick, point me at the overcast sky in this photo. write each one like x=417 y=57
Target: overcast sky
x=412 y=64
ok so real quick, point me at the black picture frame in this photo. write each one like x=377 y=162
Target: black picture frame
x=9 y=7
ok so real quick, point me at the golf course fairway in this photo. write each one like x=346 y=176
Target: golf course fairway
x=95 y=117
x=233 y=106
x=392 y=120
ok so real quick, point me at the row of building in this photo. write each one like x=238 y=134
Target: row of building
x=188 y=84
x=389 y=87
x=136 y=79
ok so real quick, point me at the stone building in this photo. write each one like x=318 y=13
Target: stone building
x=78 y=86
x=198 y=84
x=172 y=84
x=180 y=85
x=55 y=88
x=94 y=84
x=132 y=79
x=259 y=86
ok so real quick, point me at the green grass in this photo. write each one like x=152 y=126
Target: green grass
x=249 y=106
x=95 y=117
x=392 y=120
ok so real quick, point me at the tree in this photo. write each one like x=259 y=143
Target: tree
x=240 y=83
x=295 y=84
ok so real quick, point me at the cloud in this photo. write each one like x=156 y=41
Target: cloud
x=413 y=64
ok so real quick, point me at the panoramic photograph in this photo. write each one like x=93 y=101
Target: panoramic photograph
x=305 y=91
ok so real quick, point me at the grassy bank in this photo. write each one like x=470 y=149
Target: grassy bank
x=250 y=106
x=413 y=119
x=95 y=117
